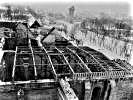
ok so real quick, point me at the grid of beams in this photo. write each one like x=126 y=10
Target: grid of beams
x=103 y=60
x=51 y=63
x=66 y=61
x=58 y=61
x=74 y=61
x=89 y=60
x=80 y=60
x=27 y=56
x=24 y=65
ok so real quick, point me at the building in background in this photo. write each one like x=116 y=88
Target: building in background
x=71 y=14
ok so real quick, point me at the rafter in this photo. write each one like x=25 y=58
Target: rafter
x=50 y=61
x=14 y=64
x=65 y=60
x=80 y=59
x=92 y=57
x=35 y=69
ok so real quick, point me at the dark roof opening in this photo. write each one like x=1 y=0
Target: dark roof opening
x=35 y=24
x=12 y=25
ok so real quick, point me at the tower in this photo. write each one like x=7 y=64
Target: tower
x=71 y=14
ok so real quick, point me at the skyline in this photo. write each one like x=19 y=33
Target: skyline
x=115 y=9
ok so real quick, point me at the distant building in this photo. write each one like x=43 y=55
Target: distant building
x=71 y=13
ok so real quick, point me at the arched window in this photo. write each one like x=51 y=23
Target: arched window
x=96 y=93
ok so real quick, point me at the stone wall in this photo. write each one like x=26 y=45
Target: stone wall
x=78 y=88
x=122 y=91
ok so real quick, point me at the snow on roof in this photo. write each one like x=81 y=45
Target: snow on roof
x=32 y=20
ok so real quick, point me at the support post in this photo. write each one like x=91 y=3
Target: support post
x=113 y=90
x=88 y=88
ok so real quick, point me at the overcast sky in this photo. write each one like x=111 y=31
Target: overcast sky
x=113 y=8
